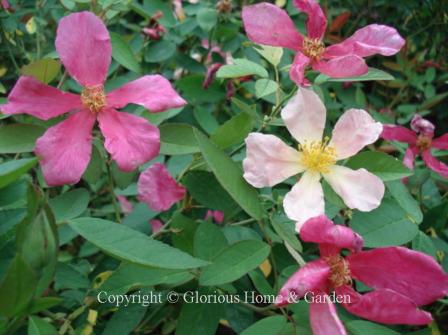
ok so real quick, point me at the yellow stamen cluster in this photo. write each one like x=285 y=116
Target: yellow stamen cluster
x=340 y=271
x=423 y=142
x=94 y=98
x=313 y=48
x=317 y=156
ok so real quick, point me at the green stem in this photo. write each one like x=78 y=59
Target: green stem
x=113 y=195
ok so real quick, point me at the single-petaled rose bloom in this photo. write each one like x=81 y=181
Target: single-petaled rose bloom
x=421 y=140
x=158 y=189
x=217 y=216
x=126 y=206
x=401 y=279
x=156 y=225
x=84 y=47
x=270 y=161
x=268 y=24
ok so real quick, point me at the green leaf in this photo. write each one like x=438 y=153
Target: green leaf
x=18 y=138
x=401 y=194
x=388 y=225
x=207 y=18
x=383 y=165
x=209 y=241
x=122 y=53
x=38 y=326
x=12 y=170
x=272 y=54
x=160 y=51
x=424 y=243
x=359 y=327
x=230 y=176
x=127 y=244
x=186 y=228
x=373 y=74
x=44 y=70
x=265 y=87
x=241 y=68
x=272 y=325
x=41 y=304
x=69 y=205
x=234 y=262
x=177 y=139
x=125 y=319
x=233 y=131
x=285 y=228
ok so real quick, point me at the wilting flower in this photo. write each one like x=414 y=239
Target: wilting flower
x=401 y=279
x=156 y=225
x=270 y=161
x=125 y=204
x=421 y=140
x=84 y=47
x=158 y=189
x=268 y=24
x=217 y=216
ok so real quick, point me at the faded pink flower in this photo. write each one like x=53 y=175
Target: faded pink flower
x=401 y=279
x=268 y=24
x=126 y=206
x=84 y=47
x=270 y=161
x=421 y=140
x=158 y=189
x=156 y=225
x=217 y=216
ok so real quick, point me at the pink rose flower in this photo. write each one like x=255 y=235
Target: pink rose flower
x=217 y=216
x=84 y=47
x=401 y=279
x=421 y=140
x=267 y=24
x=156 y=225
x=270 y=161
x=125 y=204
x=158 y=189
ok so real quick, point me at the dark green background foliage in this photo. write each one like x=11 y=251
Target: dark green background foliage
x=60 y=246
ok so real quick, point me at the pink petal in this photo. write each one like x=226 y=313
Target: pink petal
x=304 y=116
x=440 y=142
x=354 y=130
x=269 y=160
x=158 y=189
x=268 y=24
x=218 y=216
x=370 y=40
x=434 y=164
x=156 y=225
x=398 y=133
x=126 y=206
x=30 y=96
x=153 y=92
x=83 y=44
x=423 y=126
x=311 y=276
x=305 y=200
x=411 y=273
x=322 y=230
x=297 y=70
x=324 y=318
x=359 y=189
x=64 y=150
x=409 y=157
x=131 y=140
x=317 y=21
x=385 y=306
x=342 y=67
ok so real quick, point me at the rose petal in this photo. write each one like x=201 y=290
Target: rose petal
x=158 y=189
x=297 y=70
x=83 y=44
x=156 y=225
x=324 y=318
x=305 y=200
x=411 y=273
x=354 y=130
x=409 y=157
x=65 y=149
x=316 y=22
x=359 y=189
x=370 y=40
x=30 y=96
x=268 y=24
x=131 y=140
x=434 y=164
x=322 y=230
x=311 y=276
x=440 y=142
x=269 y=160
x=423 y=126
x=342 y=67
x=385 y=306
x=304 y=116
x=153 y=92
x=125 y=205
x=398 y=133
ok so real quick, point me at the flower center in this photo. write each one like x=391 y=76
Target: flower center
x=317 y=156
x=93 y=97
x=313 y=48
x=423 y=142
x=340 y=272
